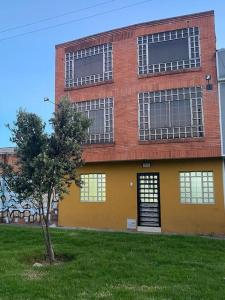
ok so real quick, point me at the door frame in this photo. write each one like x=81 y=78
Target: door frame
x=156 y=229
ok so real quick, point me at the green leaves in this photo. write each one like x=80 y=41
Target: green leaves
x=46 y=162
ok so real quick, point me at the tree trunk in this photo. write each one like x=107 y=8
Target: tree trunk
x=47 y=239
x=49 y=248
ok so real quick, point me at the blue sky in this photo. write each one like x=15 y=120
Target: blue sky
x=27 y=62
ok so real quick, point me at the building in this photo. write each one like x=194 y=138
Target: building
x=7 y=154
x=13 y=210
x=153 y=155
x=221 y=88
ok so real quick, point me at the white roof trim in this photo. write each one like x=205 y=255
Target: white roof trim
x=7 y=150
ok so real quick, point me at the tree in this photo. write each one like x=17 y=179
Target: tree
x=47 y=163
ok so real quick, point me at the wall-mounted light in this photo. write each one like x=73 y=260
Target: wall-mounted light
x=208 y=77
x=209 y=85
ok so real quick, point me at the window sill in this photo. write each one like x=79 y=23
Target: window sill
x=165 y=141
x=92 y=202
x=100 y=145
x=88 y=85
x=188 y=203
x=169 y=73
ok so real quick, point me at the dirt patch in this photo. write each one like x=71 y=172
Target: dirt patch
x=103 y=295
x=138 y=288
x=60 y=258
x=33 y=275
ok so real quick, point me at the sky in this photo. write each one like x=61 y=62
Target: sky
x=27 y=61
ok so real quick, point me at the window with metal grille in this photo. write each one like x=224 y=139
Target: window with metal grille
x=168 y=51
x=100 y=112
x=197 y=187
x=93 y=188
x=171 y=114
x=88 y=66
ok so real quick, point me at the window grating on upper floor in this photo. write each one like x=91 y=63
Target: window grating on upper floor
x=171 y=114
x=88 y=66
x=100 y=111
x=169 y=51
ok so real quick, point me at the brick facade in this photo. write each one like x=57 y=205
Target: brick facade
x=127 y=84
x=7 y=155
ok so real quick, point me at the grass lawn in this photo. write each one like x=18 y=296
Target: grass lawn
x=111 y=266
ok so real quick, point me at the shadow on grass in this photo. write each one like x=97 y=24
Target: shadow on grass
x=38 y=257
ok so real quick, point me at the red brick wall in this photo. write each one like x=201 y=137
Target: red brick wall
x=8 y=158
x=126 y=85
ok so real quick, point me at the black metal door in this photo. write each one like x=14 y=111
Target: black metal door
x=148 y=199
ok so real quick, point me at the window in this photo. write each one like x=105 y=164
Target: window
x=170 y=114
x=197 y=187
x=100 y=111
x=168 y=51
x=88 y=66
x=93 y=188
x=221 y=64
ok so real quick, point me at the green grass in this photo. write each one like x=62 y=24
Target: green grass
x=111 y=266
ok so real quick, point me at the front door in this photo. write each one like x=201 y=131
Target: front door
x=148 y=199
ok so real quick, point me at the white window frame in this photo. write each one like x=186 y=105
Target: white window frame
x=195 y=130
x=100 y=185
x=192 y=194
x=107 y=72
x=107 y=105
x=194 y=61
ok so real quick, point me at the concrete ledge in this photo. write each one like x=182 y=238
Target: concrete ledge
x=149 y=229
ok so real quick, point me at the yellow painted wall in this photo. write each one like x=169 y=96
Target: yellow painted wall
x=121 y=198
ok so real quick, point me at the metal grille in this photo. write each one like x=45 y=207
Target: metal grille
x=93 y=70
x=171 y=114
x=197 y=187
x=148 y=200
x=100 y=111
x=161 y=40
x=93 y=188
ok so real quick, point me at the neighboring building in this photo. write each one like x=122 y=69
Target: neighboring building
x=7 y=154
x=153 y=156
x=221 y=88
x=11 y=209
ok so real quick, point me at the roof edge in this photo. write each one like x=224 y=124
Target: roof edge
x=220 y=50
x=154 y=22
x=7 y=150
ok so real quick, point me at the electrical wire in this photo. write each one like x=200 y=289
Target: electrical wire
x=75 y=20
x=55 y=17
